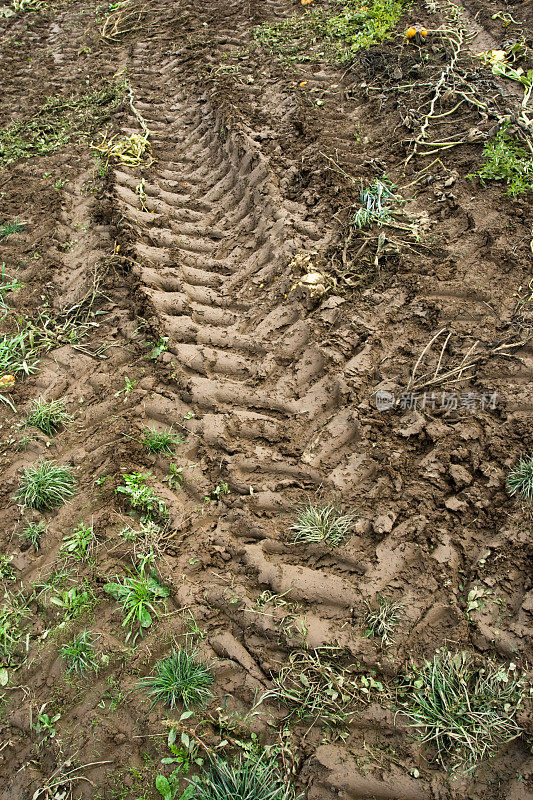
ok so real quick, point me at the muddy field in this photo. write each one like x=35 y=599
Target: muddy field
x=224 y=291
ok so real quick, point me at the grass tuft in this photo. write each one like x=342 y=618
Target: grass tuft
x=160 y=441
x=8 y=228
x=7 y=572
x=381 y=622
x=79 y=653
x=32 y=534
x=466 y=709
x=80 y=543
x=322 y=524
x=245 y=779
x=520 y=479
x=180 y=678
x=47 y=415
x=45 y=485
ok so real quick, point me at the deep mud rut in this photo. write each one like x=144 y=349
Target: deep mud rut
x=274 y=394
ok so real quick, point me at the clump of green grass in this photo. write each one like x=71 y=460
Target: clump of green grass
x=45 y=485
x=244 y=779
x=12 y=612
x=80 y=543
x=381 y=622
x=138 y=594
x=466 y=709
x=160 y=441
x=320 y=34
x=520 y=479
x=7 y=284
x=74 y=601
x=180 y=678
x=18 y=353
x=7 y=572
x=79 y=654
x=58 y=121
x=322 y=524
x=141 y=497
x=47 y=415
x=508 y=160
x=32 y=534
x=8 y=228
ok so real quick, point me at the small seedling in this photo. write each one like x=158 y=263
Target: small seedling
x=8 y=228
x=32 y=534
x=7 y=573
x=44 y=726
x=7 y=284
x=174 y=477
x=127 y=390
x=74 y=602
x=80 y=542
x=220 y=490
x=138 y=594
x=160 y=441
x=322 y=524
x=45 y=485
x=520 y=479
x=48 y=415
x=79 y=653
x=157 y=348
x=141 y=497
x=180 y=678
x=467 y=709
x=381 y=622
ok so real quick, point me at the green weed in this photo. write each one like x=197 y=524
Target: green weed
x=520 y=479
x=466 y=709
x=7 y=572
x=32 y=534
x=141 y=497
x=244 y=779
x=180 y=678
x=381 y=622
x=80 y=543
x=507 y=160
x=9 y=228
x=18 y=353
x=47 y=415
x=12 y=612
x=174 y=477
x=318 y=34
x=79 y=654
x=74 y=602
x=7 y=284
x=377 y=204
x=160 y=441
x=45 y=485
x=44 y=724
x=322 y=524
x=138 y=595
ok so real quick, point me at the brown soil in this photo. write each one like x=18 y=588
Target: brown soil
x=249 y=171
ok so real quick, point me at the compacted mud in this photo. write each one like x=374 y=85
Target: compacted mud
x=187 y=275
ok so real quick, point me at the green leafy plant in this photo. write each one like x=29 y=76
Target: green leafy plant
x=18 y=353
x=12 y=612
x=520 y=479
x=7 y=573
x=32 y=534
x=244 y=779
x=79 y=654
x=80 y=543
x=174 y=477
x=377 y=204
x=381 y=622
x=48 y=415
x=138 y=594
x=180 y=678
x=319 y=34
x=9 y=228
x=74 y=601
x=141 y=497
x=160 y=441
x=465 y=708
x=158 y=348
x=44 y=725
x=45 y=485
x=322 y=524
x=508 y=160
x=220 y=490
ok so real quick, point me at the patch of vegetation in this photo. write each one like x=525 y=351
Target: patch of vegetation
x=381 y=622
x=466 y=709
x=7 y=572
x=180 y=678
x=7 y=284
x=520 y=479
x=79 y=654
x=18 y=353
x=32 y=534
x=160 y=441
x=12 y=613
x=58 y=121
x=47 y=415
x=509 y=160
x=80 y=542
x=322 y=524
x=141 y=497
x=318 y=34
x=74 y=602
x=244 y=779
x=377 y=204
x=45 y=485
x=8 y=228
x=138 y=594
